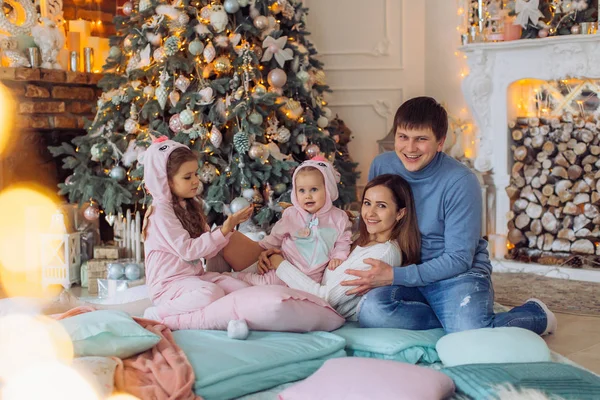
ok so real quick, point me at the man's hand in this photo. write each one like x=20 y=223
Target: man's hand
x=264 y=264
x=334 y=263
x=380 y=274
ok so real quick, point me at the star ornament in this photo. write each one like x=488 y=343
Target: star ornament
x=275 y=48
x=527 y=11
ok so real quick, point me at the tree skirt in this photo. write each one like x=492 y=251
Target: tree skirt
x=562 y=295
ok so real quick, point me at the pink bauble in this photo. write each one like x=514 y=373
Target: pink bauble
x=175 y=124
x=543 y=33
x=91 y=213
x=127 y=8
x=313 y=150
x=277 y=78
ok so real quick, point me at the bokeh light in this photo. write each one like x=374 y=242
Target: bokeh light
x=122 y=396
x=25 y=213
x=7 y=115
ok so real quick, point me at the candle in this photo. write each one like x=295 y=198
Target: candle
x=101 y=48
x=132 y=246
x=138 y=247
x=128 y=234
x=480 y=14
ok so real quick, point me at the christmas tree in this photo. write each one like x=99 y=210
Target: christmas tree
x=237 y=82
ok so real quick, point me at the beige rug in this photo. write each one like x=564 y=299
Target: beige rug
x=562 y=295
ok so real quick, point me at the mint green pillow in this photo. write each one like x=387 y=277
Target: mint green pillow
x=480 y=381
x=391 y=344
x=492 y=345
x=107 y=333
x=226 y=368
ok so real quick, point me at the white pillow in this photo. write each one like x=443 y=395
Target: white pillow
x=99 y=372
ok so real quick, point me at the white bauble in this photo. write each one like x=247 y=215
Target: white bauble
x=322 y=122
x=196 y=47
x=208 y=173
x=186 y=117
x=231 y=6
x=248 y=193
x=131 y=126
x=238 y=204
x=149 y=91
x=114 y=52
x=326 y=112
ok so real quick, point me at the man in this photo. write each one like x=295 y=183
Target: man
x=451 y=287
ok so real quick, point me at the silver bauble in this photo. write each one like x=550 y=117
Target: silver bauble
x=257 y=151
x=127 y=8
x=131 y=126
x=301 y=139
x=91 y=213
x=261 y=22
x=159 y=54
x=115 y=270
x=186 y=117
x=313 y=150
x=144 y=5
x=238 y=204
x=277 y=78
x=162 y=96
x=208 y=173
x=231 y=6
x=132 y=272
x=149 y=91
x=255 y=118
x=248 y=193
x=196 y=47
x=118 y=173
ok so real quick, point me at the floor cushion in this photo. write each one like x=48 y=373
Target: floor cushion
x=391 y=344
x=227 y=368
x=481 y=381
x=492 y=345
x=353 y=378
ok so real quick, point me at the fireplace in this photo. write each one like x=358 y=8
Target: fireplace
x=497 y=74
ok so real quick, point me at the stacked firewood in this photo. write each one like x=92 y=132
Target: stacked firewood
x=555 y=184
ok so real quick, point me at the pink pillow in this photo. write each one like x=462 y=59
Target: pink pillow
x=356 y=378
x=265 y=308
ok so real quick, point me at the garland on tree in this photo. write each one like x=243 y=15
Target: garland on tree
x=237 y=82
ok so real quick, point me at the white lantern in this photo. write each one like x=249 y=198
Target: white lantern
x=61 y=259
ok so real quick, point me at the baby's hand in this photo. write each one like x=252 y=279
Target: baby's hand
x=334 y=263
x=264 y=263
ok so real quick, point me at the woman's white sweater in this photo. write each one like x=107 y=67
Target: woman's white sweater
x=330 y=289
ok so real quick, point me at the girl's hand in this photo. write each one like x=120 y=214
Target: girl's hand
x=235 y=219
x=334 y=263
x=263 y=260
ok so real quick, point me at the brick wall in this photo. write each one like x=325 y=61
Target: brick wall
x=51 y=108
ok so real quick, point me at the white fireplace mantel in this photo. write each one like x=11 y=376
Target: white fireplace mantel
x=492 y=68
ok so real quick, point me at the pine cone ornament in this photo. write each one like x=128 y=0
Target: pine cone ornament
x=241 y=141
x=172 y=45
x=162 y=96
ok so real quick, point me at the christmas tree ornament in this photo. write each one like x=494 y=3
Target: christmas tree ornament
x=116 y=270
x=277 y=78
x=128 y=42
x=172 y=45
x=187 y=116
x=174 y=97
x=133 y=272
x=261 y=22
x=208 y=173
x=200 y=188
x=319 y=76
x=301 y=139
x=159 y=54
x=239 y=204
x=242 y=3
x=257 y=198
x=222 y=65
x=303 y=76
x=206 y=96
x=91 y=213
x=127 y=8
x=154 y=38
x=293 y=109
x=221 y=41
x=234 y=39
x=195 y=47
x=259 y=90
x=326 y=112
x=257 y=151
x=280 y=188
x=283 y=135
x=313 y=150
x=241 y=141
x=205 y=12
x=148 y=91
x=322 y=122
x=209 y=52
x=114 y=52
x=118 y=173
x=216 y=138
x=96 y=152
x=248 y=193
x=175 y=123
x=162 y=96
x=131 y=126
x=239 y=93
x=182 y=83
x=231 y=6
x=255 y=118
x=218 y=18
x=70 y=181
x=180 y=22
x=144 y=5
x=275 y=48
x=110 y=218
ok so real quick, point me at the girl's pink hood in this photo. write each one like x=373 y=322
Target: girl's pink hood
x=155 y=169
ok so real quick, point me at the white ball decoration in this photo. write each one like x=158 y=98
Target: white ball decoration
x=277 y=78
x=196 y=47
x=248 y=193
x=114 y=52
x=133 y=272
x=238 y=204
x=322 y=122
x=131 y=126
x=116 y=271
x=231 y=6
x=261 y=22
x=255 y=118
x=149 y=91
x=208 y=173
x=186 y=117
x=118 y=173
x=326 y=112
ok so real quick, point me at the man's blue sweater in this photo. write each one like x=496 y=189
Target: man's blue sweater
x=448 y=202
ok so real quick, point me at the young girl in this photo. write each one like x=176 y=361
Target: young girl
x=388 y=232
x=177 y=235
x=313 y=234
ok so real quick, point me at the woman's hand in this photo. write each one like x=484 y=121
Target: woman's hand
x=264 y=263
x=235 y=219
x=380 y=274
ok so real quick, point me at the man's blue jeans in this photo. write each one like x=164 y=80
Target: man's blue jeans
x=460 y=303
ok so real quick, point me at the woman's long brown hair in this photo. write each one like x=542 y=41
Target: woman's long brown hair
x=191 y=216
x=406 y=231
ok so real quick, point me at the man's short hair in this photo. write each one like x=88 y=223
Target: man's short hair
x=422 y=113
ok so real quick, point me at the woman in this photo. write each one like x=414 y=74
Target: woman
x=388 y=232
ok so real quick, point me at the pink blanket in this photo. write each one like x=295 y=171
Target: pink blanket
x=161 y=373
